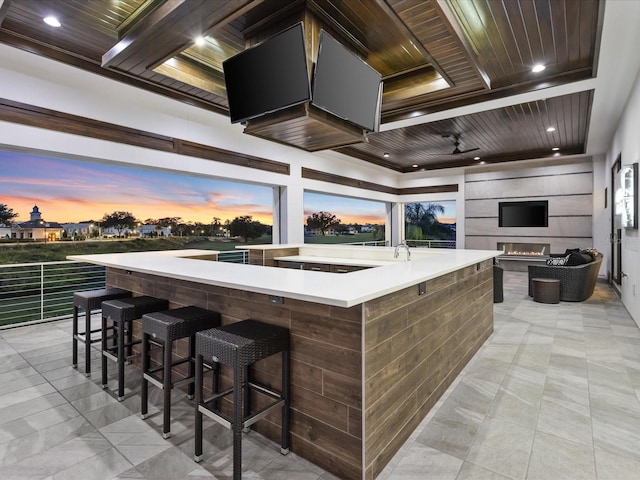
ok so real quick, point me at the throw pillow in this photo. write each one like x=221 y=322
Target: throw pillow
x=571 y=250
x=557 y=261
x=578 y=259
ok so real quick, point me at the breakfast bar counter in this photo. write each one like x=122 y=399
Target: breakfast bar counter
x=372 y=349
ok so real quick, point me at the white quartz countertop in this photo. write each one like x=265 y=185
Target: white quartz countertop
x=338 y=289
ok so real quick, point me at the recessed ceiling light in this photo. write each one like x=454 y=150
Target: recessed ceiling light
x=551 y=129
x=555 y=149
x=385 y=155
x=414 y=165
x=200 y=41
x=52 y=21
x=538 y=68
x=476 y=158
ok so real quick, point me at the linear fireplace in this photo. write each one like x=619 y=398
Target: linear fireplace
x=524 y=249
x=518 y=256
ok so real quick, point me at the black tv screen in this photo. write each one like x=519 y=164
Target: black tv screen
x=345 y=86
x=524 y=214
x=268 y=77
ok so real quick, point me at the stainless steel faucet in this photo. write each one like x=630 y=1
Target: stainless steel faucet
x=396 y=252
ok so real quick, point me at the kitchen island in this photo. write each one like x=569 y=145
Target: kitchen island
x=372 y=349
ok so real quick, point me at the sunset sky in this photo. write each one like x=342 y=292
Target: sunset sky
x=68 y=191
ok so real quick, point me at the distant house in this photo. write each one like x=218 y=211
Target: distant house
x=153 y=230
x=82 y=229
x=35 y=229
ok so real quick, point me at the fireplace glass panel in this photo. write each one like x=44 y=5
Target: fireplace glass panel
x=524 y=249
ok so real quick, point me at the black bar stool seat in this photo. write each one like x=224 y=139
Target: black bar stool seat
x=90 y=300
x=122 y=313
x=239 y=345
x=164 y=328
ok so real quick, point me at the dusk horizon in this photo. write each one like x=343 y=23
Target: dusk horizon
x=74 y=191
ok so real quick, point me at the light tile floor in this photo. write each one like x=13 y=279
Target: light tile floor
x=553 y=394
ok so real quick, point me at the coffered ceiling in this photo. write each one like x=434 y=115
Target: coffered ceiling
x=437 y=58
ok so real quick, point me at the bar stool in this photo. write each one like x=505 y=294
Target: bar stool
x=239 y=345
x=122 y=313
x=162 y=329
x=88 y=301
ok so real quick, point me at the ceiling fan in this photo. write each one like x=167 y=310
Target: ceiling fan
x=456 y=144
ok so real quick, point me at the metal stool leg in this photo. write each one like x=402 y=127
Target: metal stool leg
x=166 y=387
x=74 y=359
x=129 y=326
x=246 y=396
x=191 y=369
x=237 y=422
x=104 y=349
x=87 y=342
x=144 y=393
x=121 y=360
x=197 y=456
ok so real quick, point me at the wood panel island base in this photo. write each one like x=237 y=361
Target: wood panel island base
x=372 y=350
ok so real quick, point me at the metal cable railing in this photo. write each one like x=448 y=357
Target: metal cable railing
x=432 y=243
x=35 y=292
x=31 y=292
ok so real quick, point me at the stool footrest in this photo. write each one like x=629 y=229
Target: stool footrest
x=81 y=338
x=173 y=364
x=226 y=422
x=158 y=382
x=113 y=357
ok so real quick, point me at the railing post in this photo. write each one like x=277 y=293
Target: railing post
x=42 y=291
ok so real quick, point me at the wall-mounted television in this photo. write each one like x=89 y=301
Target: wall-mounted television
x=268 y=77
x=524 y=214
x=345 y=86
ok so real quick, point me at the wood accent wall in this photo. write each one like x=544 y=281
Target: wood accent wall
x=25 y=114
x=266 y=257
x=312 y=174
x=326 y=385
x=414 y=347
x=406 y=347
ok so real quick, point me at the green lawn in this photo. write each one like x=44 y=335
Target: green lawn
x=334 y=239
x=11 y=253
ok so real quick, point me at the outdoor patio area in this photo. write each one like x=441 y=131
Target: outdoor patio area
x=554 y=393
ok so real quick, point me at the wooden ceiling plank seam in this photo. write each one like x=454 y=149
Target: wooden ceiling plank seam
x=507 y=36
x=597 y=38
x=559 y=23
x=542 y=21
x=515 y=13
x=573 y=21
x=588 y=31
x=532 y=29
x=494 y=40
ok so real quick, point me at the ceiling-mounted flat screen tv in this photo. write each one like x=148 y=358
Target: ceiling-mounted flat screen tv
x=524 y=214
x=268 y=77
x=345 y=86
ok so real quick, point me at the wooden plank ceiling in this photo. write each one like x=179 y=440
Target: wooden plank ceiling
x=434 y=55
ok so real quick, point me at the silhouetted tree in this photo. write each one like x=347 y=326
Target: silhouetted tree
x=322 y=221
x=425 y=217
x=6 y=214
x=118 y=220
x=246 y=227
